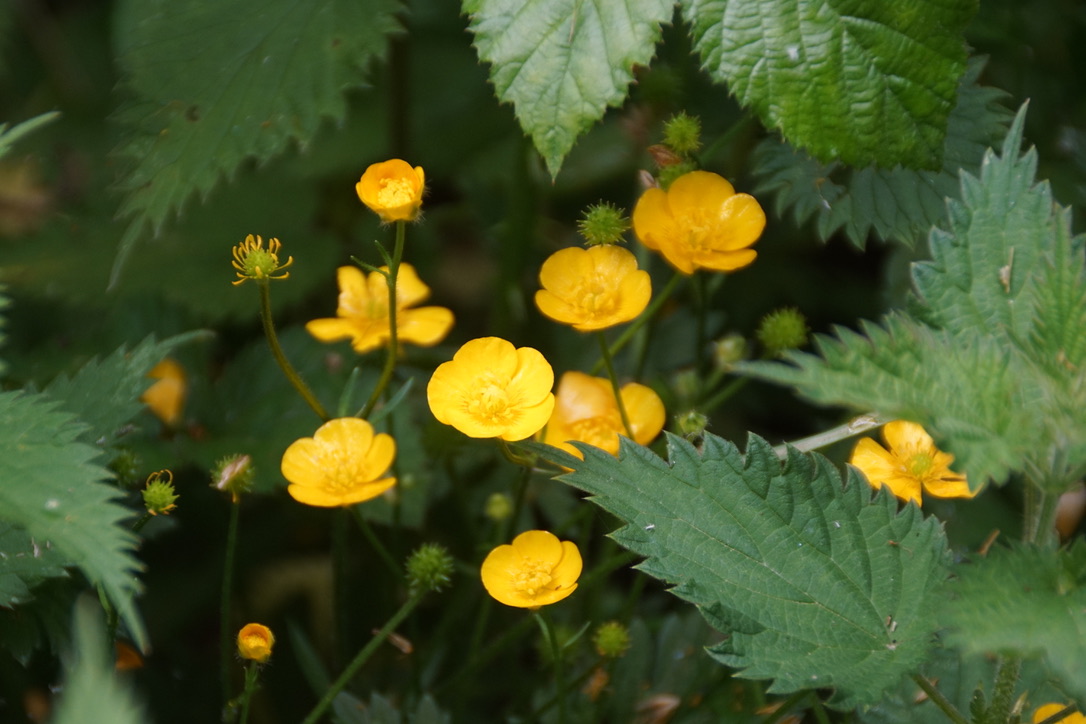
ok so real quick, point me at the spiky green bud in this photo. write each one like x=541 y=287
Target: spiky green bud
x=429 y=568
x=782 y=329
x=159 y=496
x=683 y=133
x=612 y=640
x=603 y=223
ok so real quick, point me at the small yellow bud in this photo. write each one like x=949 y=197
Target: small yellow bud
x=255 y=642
x=159 y=495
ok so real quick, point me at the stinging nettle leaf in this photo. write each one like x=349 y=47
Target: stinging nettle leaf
x=814 y=583
x=561 y=63
x=862 y=81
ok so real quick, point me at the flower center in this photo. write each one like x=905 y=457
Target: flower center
x=596 y=297
x=490 y=403
x=600 y=430
x=532 y=576
x=343 y=474
x=395 y=192
x=919 y=464
x=700 y=230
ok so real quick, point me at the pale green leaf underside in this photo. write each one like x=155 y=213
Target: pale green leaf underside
x=53 y=491
x=898 y=204
x=861 y=81
x=1027 y=601
x=561 y=63
x=216 y=83
x=992 y=361
x=814 y=583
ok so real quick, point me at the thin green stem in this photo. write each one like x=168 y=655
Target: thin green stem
x=855 y=426
x=277 y=352
x=144 y=520
x=556 y=653
x=609 y=365
x=363 y=656
x=226 y=638
x=1039 y=518
x=252 y=674
x=939 y=700
x=819 y=711
x=393 y=340
x=650 y=311
x=341 y=609
x=382 y=551
x=1060 y=715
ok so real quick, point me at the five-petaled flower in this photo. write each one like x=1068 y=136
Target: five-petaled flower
x=342 y=464
x=392 y=190
x=585 y=410
x=362 y=314
x=592 y=288
x=910 y=466
x=253 y=261
x=255 y=642
x=700 y=223
x=492 y=389
x=536 y=570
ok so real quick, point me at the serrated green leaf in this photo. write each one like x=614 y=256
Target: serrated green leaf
x=561 y=63
x=245 y=90
x=105 y=394
x=1027 y=601
x=92 y=693
x=24 y=563
x=41 y=624
x=814 y=583
x=860 y=81
x=52 y=490
x=991 y=359
x=898 y=204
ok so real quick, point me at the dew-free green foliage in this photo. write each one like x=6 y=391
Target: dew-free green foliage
x=215 y=84
x=561 y=64
x=8 y=136
x=862 y=81
x=896 y=204
x=92 y=692
x=813 y=583
x=25 y=563
x=1027 y=601
x=991 y=357
x=53 y=492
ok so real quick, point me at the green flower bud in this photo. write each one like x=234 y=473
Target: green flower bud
x=159 y=496
x=728 y=350
x=429 y=568
x=781 y=330
x=233 y=475
x=612 y=640
x=683 y=133
x=498 y=507
x=691 y=424
x=603 y=223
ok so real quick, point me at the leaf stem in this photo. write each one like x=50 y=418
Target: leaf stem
x=939 y=700
x=650 y=311
x=397 y=618
x=277 y=352
x=367 y=531
x=608 y=363
x=855 y=426
x=393 y=341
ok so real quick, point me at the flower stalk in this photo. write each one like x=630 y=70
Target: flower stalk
x=650 y=312
x=393 y=343
x=556 y=655
x=252 y=675
x=608 y=363
x=277 y=352
x=226 y=642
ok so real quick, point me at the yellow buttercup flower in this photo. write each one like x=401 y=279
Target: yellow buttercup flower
x=592 y=288
x=342 y=464
x=536 y=570
x=166 y=398
x=392 y=190
x=911 y=465
x=700 y=223
x=255 y=642
x=362 y=315
x=253 y=261
x=1049 y=709
x=492 y=389
x=585 y=410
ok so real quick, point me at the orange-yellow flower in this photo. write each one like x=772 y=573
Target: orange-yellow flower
x=911 y=465
x=255 y=642
x=166 y=398
x=1049 y=709
x=492 y=389
x=392 y=190
x=585 y=410
x=362 y=314
x=700 y=223
x=536 y=570
x=592 y=288
x=342 y=464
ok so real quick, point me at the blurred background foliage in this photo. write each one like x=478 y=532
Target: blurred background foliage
x=492 y=214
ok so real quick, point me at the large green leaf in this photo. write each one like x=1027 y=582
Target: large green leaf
x=814 y=583
x=991 y=358
x=53 y=491
x=561 y=63
x=1027 y=601
x=24 y=564
x=216 y=83
x=896 y=204
x=861 y=81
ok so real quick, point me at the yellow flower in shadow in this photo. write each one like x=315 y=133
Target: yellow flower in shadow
x=585 y=410
x=166 y=398
x=342 y=464
x=492 y=389
x=536 y=570
x=700 y=223
x=392 y=190
x=362 y=315
x=255 y=642
x=592 y=288
x=1048 y=710
x=912 y=464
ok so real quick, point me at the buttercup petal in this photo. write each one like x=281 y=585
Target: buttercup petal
x=533 y=379
x=745 y=219
x=562 y=271
x=652 y=217
x=410 y=289
x=568 y=569
x=645 y=411
x=905 y=435
x=425 y=326
x=698 y=190
x=530 y=420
